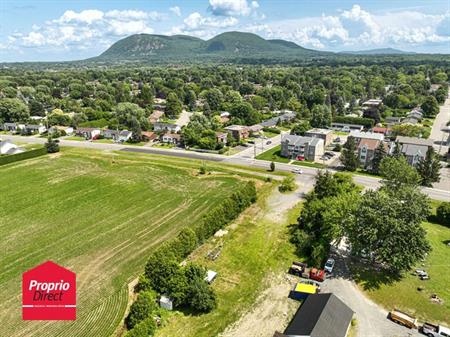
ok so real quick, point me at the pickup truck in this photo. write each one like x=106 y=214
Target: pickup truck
x=301 y=269
x=432 y=330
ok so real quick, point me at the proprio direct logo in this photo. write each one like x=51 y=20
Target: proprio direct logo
x=49 y=293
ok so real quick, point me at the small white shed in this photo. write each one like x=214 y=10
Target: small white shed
x=210 y=276
x=166 y=303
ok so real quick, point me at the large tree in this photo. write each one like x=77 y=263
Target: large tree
x=430 y=107
x=349 y=158
x=13 y=110
x=386 y=226
x=173 y=105
x=428 y=168
x=396 y=172
x=128 y=114
x=321 y=116
x=379 y=154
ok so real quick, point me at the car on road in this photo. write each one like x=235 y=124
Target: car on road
x=432 y=330
x=329 y=265
x=297 y=171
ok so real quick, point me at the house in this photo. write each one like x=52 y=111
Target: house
x=7 y=147
x=238 y=132
x=149 y=136
x=111 y=134
x=155 y=116
x=12 y=127
x=344 y=127
x=384 y=131
x=272 y=122
x=366 y=150
x=67 y=130
x=221 y=137
x=324 y=134
x=416 y=113
x=308 y=148
x=224 y=114
x=125 y=135
x=390 y=121
x=166 y=303
x=171 y=138
x=413 y=148
x=371 y=109
x=358 y=135
x=255 y=129
x=88 y=133
x=162 y=126
x=372 y=103
x=320 y=315
x=35 y=128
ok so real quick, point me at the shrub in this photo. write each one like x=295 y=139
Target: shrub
x=22 y=156
x=443 y=214
x=201 y=297
x=287 y=185
x=145 y=328
x=141 y=309
x=52 y=145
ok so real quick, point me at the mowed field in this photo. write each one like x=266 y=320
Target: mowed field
x=99 y=214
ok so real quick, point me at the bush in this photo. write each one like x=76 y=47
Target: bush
x=443 y=214
x=287 y=185
x=52 y=145
x=141 y=309
x=201 y=297
x=22 y=156
x=338 y=148
x=273 y=130
x=145 y=328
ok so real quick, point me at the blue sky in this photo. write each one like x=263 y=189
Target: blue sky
x=68 y=30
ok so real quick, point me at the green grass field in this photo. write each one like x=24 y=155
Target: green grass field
x=100 y=214
x=404 y=294
x=273 y=155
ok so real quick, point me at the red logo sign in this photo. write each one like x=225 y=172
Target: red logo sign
x=49 y=293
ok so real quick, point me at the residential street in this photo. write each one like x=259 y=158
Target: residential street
x=259 y=147
x=442 y=118
x=310 y=172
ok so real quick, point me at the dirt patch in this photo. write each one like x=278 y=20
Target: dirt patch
x=272 y=310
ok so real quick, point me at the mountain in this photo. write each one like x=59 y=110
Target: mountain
x=380 y=51
x=226 y=46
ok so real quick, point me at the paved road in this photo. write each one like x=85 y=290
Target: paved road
x=371 y=319
x=442 y=118
x=259 y=147
x=366 y=181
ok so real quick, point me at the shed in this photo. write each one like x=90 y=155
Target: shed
x=165 y=302
x=210 y=276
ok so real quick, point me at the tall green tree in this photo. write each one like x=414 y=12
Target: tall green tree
x=349 y=157
x=396 y=173
x=379 y=154
x=173 y=105
x=430 y=107
x=321 y=116
x=428 y=168
x=13 y=110
x=141 y=309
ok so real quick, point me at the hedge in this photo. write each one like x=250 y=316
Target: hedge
x=230 y=208
x=366 y=122
x=22 y=156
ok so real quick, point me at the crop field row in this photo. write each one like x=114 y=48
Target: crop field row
x=99 y=214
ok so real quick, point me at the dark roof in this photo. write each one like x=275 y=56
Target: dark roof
x=321 y=315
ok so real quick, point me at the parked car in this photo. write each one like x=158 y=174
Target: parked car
x=403 y=318
x=268 y=142
x=300 y=158
x=337 y=140
x=329 y=265
x=297 y=171
x=324 y=157
x=432 y=330
x=330 y=154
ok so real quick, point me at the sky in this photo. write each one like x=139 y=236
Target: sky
x=57 y=30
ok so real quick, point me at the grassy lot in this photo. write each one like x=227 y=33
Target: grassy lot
x=99 y=214
x=403 y=294
x=254 y=248
x=273 y=155
x=308 y=163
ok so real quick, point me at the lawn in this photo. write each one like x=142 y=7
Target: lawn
x=253 y=249
x=100 y=214
x=309 y=164
x=78 y=138
x=273 y=154
x=404 y=294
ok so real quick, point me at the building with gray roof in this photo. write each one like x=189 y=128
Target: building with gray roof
x=301 y=148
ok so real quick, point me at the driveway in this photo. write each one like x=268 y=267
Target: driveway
x=184 y=118
x=371 y=319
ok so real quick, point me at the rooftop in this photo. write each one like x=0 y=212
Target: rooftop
x=414 y=140
x=366 y=135
x=320 y=131
x=321 y=315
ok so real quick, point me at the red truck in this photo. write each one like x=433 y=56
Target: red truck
x=301 y=269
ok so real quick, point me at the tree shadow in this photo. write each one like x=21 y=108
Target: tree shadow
x=372 y=277
x=446 y=242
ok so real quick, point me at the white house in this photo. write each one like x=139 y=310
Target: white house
x=125 y=135
x=35 y=128
x=161 y=126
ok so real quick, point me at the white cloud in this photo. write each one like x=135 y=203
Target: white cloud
x=175 y=10
x=88 y=28
x=232 y=7
x=196 y=21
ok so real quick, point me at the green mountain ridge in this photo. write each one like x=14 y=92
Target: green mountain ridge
x=229 y=45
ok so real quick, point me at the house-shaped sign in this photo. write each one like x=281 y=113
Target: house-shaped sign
x=49 y=293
